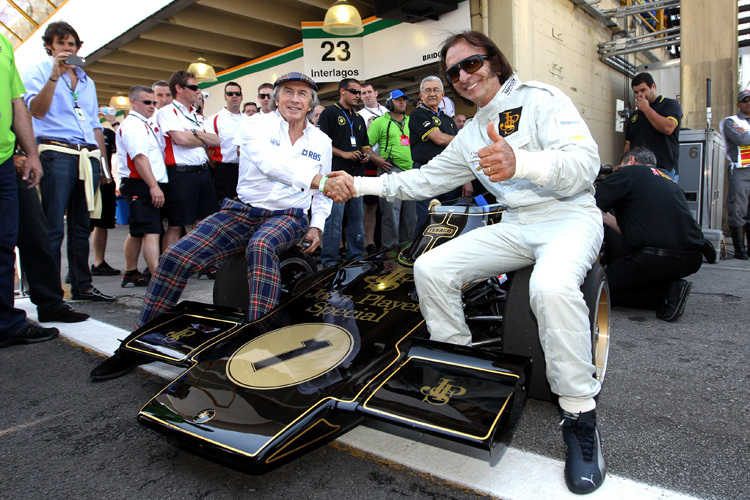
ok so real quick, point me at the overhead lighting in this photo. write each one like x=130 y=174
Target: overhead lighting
x=343 y=19
x=203 y=71
x=119 y=101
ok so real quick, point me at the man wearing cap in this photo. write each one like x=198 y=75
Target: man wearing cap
x=736 y=133
x=655 y=125
x=284 y=159
x=391 y=133
x=62 y=100
x=351 y=148
x=531 y=149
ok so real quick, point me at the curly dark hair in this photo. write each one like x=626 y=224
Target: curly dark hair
x=498 y=62
x=61 y=30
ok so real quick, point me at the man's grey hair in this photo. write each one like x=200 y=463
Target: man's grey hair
x=313 y=102
x=430 y=79
x=642 y=156
x=137 y=89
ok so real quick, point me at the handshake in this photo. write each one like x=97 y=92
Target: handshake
x=338 y=186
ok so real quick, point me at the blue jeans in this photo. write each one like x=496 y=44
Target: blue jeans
x=11 y=319
x=63 y=192
x=355 y=231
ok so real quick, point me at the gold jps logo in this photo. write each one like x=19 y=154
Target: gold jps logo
x=177 y=335
x=390 y=281
x=507 y=121
x=442 y=393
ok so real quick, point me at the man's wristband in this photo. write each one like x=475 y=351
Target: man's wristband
x=322 y=183
x=52 y=80
x=195 y=133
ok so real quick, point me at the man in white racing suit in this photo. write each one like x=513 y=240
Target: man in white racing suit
x=529 y=146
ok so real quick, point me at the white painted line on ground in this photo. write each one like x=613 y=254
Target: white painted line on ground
x=511 y=475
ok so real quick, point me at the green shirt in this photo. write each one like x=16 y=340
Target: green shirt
x=11 y=87
x=387 y=133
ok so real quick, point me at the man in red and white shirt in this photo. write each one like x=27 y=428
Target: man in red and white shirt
x=225 y=124
x=143 y=180
x=191 y=191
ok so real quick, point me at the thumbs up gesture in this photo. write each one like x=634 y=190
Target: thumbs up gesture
x=498 y=161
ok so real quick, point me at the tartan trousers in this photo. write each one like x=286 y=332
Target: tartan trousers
x=262 y=234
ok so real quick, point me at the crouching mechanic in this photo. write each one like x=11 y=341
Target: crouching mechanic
x=283 y=158
x=529 y=147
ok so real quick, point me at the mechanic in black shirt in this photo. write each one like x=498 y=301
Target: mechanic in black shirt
x=430 y=131
x=664 y=240
x=655 y=125
x=351 y=148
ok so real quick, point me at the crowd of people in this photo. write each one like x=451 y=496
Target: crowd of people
x=258 y=178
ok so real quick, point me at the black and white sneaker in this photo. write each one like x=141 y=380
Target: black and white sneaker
x=30 y=334
x=584 y=463
x=675 y=301
x=94 y=295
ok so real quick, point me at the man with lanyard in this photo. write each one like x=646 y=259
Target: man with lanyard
x=431 y=131
x=390 y=133
x=372 y=110
x=540 y=160
x=664 y=241
x=655 y=125
x=225 y=124
x=191 y=194
x=143 y=180
x=284 y=160
x=62 y=100
x=348 y=133
x=14 y=328
x=735 y=130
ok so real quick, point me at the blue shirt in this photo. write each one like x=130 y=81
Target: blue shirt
x=61 y=121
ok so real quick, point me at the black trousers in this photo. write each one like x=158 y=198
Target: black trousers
x=226 y=176
x=37 y=262
x=638 y=279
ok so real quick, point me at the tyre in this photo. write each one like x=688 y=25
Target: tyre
x=230 y=287
x=521 y=332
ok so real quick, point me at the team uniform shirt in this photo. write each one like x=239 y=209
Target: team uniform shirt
x=651 y=209
x=640 y=132
x=276 y=174
x=369 y=114
x=423 y=122
x=447 y=106
x=74 y=113
x=225 y=125
x=392 y=139
x=12 y=87
x=341 y=126
x=735 y=130
x=556 y=157
x=178 y=117
x=154 y=122
x=137 y=137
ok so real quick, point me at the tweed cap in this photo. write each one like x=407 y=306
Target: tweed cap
x=296 y=77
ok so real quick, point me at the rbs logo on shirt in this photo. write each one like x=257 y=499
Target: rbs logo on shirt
x=311 y=154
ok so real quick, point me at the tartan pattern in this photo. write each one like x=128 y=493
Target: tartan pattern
x=262 y=234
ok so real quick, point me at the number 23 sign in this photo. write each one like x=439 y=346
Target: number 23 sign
x=331 y=60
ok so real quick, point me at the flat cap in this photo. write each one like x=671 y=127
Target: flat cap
x=296 y=77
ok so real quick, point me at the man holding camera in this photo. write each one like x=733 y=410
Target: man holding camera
x=351 y=148
x=62 y=100
x=391 y=133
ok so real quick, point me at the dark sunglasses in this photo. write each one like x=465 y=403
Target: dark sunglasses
x=233 y=94
x=264 y=96
x=745 y=100
x=146 y=102
x=194 y=88
x=353 y=91
x=470 y=65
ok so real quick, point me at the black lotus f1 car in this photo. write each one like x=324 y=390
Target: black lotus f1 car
x=349 y=342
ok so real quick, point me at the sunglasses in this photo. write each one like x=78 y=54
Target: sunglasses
x=264 y=96
x=145 y=101
x=745 y=100
x=194 y=88
x=233 y=94
x=353 y=91
x=470 y=65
